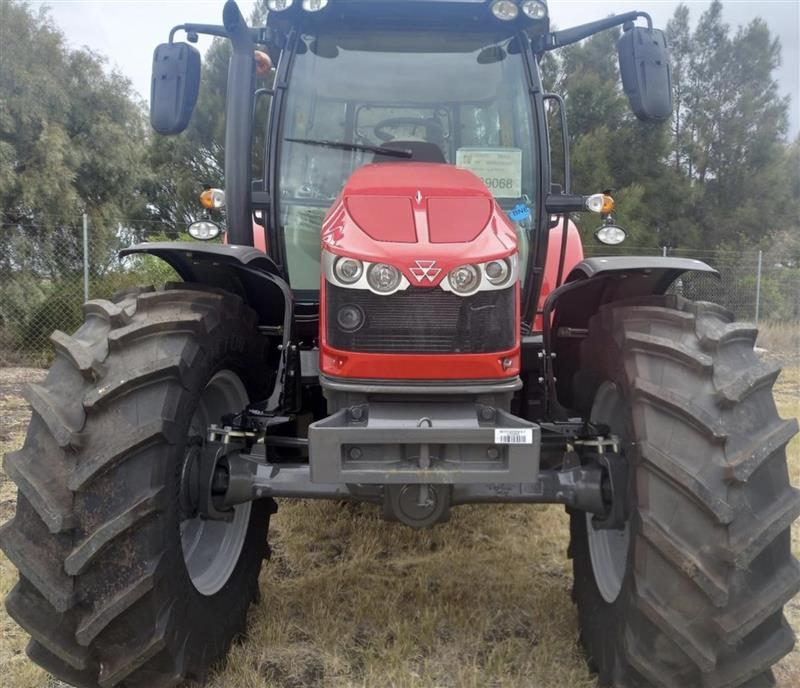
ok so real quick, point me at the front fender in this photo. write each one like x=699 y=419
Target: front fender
x=241 y=270
x=592 y=283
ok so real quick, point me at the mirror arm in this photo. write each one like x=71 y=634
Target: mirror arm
x=558 y=204
x=558 y=39
x=262 y=36
x=205 y=29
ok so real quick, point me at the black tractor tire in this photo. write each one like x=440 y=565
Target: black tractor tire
x=104 y=590
x=709 y=564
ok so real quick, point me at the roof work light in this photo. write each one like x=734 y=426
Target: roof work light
x=279 y=5
x=535 y=9
x=505 y=10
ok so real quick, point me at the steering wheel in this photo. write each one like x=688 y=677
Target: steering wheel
x=434 y=131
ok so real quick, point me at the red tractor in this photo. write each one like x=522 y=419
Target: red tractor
x=419 y=331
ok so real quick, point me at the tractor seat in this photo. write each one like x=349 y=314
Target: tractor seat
x=421 y=151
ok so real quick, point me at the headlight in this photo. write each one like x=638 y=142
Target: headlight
x=535 y=9
x=505 y=10
x=314 y=5
x=602 y=204
x=279 y=5
x=204 y=230
x=212 y=199
x=497 y=271
x=348 y=270
x=383 y=278
x=464 y=279
x=610 y=235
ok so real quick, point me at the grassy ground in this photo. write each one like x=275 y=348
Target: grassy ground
x=348 y=600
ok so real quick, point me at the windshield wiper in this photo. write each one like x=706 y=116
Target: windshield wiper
x=341 y=145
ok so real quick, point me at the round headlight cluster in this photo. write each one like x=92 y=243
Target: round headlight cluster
x=505 y=10
x=464 y=279
x=497 y=271
x=308 y=5
x=348 y=270
x=535 y=9
x=279 y=5
x=383 y=278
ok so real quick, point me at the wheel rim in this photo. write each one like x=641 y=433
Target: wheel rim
x=608 y=549
x=211 y=549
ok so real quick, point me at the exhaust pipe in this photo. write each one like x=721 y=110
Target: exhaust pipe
x=239 y=127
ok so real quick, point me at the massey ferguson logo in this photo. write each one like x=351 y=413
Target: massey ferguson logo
x=426 y=270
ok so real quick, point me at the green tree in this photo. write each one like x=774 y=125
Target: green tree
x=680 y=47
x=729 y=131
x=719 y=175
x=71 y=139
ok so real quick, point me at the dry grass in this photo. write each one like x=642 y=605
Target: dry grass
x=348 y=600
x=781 y=340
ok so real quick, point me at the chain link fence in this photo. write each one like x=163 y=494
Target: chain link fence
x=44 y=280
x=757 y=286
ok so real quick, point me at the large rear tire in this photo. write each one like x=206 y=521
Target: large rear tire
x=117 y=586
x=693 y=594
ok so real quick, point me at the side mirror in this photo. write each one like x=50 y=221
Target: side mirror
x=174 y=87
x=646 y=74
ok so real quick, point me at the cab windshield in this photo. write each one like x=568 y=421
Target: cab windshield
x=458 y=99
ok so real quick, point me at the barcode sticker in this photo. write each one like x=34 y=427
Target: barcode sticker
x=509 y=436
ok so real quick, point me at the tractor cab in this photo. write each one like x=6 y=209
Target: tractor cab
x=391 y=96
x=361 y=82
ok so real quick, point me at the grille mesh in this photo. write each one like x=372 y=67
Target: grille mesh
x=424 y=321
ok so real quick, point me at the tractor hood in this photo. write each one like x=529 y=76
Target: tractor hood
x=423 y=218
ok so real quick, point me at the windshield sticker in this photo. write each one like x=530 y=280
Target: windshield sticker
x=499 y=168
x=520 y=212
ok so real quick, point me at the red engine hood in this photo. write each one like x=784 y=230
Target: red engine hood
x=415 y=215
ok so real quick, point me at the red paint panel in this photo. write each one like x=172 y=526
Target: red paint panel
x=431 y=179
x=259 y=237
x=383 y=218
x=457 y=220
x=418 y=366
x=572 y=257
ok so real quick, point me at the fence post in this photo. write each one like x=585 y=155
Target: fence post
x=85 y=257
x=758 y=285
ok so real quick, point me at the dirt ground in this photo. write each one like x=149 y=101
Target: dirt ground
x=348 y=600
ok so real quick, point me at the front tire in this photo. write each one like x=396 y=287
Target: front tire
x=114 y=589
x=707 y=567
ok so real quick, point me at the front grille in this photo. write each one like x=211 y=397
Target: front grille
x=424 y=321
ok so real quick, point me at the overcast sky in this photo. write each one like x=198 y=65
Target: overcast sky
x=126 y=31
